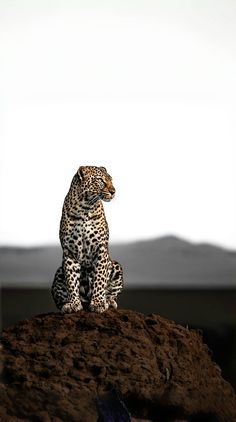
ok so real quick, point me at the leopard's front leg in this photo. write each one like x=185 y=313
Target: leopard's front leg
x=71 y=269
x=98 y=301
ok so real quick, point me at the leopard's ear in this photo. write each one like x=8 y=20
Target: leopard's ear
x=103 y=168
x=81 y=173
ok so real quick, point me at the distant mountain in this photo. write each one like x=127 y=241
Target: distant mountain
x=163 y=262
x=173 y=262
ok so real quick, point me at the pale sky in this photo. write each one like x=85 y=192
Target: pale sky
x=146 y=89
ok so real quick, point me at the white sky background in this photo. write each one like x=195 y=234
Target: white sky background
x=146 y=89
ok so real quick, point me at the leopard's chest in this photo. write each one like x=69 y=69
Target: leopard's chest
x=86 y=236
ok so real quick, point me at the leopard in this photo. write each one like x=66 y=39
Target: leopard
x=87 y=279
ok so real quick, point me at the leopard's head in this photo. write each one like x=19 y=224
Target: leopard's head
x=95 y=184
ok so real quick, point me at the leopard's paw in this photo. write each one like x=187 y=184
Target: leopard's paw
x=70 y=307
x=98 y=306
x=112 y=303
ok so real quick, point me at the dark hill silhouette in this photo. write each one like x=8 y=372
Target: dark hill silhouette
x=162 y=262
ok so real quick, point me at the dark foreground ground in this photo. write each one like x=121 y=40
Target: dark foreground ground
x=212 y=311
x=120 y=365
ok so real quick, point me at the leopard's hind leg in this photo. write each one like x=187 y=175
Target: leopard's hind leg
x=59 y=290
x=115 y=284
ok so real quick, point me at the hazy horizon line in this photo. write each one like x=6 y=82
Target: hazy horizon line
x=172 y=237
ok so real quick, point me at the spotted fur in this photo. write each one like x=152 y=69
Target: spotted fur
x=87 y=278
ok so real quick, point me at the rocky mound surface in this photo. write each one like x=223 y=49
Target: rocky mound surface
x=62 y=367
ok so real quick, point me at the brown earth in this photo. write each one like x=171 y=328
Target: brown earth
x=60 y=367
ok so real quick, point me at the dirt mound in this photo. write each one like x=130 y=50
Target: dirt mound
x=63 y=367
